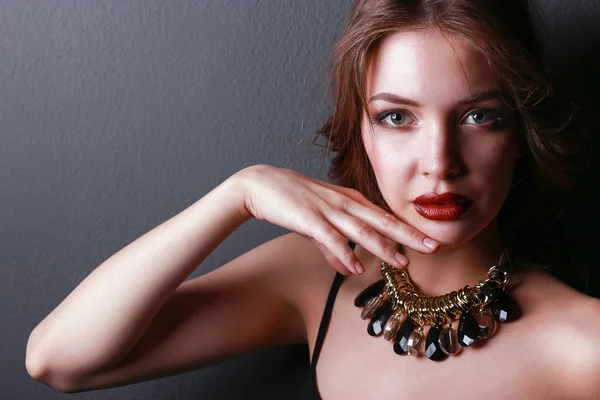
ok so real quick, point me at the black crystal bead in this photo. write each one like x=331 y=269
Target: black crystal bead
x=487 y=290
x=401 y=340
x=432 y=347
x=503 y=308
x=379 y=319
x=468 y=330
x=367 y=294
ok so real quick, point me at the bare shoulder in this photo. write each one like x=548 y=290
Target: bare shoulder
x=308 y=261
x=302 y=275
x=567 y=323
x=580 y=339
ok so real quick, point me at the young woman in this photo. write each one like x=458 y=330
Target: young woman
x=448 y=140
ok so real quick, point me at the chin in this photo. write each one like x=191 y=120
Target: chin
x=451 y=233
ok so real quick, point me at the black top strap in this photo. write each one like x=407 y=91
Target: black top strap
x=337 y=281
x=310 y=390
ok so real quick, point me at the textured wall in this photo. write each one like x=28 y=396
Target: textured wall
x=117 y=115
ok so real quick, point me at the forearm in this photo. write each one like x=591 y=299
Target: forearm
x=107 y=313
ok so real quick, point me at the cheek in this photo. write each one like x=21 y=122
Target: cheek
x=493 y=164
x=383 y=147
x=389 y=159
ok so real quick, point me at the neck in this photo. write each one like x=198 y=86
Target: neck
x=452 y=268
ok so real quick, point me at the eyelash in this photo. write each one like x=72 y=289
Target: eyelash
x=497 y=118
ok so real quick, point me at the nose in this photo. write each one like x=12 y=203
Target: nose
x=439 y=157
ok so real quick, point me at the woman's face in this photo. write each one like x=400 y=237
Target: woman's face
x=435 y=125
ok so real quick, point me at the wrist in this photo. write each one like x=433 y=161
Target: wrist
x=236 y=188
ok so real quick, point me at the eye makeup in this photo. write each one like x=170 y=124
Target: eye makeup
x=494 y=118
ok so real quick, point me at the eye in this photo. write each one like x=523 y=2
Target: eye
x=393 y=118
x=483 y=116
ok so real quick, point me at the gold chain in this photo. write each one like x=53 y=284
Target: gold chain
x=439 y=309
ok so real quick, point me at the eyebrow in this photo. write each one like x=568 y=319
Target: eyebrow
x=393 y=98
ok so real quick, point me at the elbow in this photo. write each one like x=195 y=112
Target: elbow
x=38 y=369
x=33 y=362
x=34 y=368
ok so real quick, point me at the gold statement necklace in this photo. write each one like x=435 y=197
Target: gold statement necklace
x=400 y=313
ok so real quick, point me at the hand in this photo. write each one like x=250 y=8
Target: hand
x=328 y=215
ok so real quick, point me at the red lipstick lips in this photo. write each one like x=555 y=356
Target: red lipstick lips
x=441 y=207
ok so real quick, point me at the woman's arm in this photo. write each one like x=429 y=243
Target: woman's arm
x=132 y=319
x=105 y=315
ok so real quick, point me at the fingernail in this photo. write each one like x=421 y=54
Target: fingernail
x=432 y=244
x=401 y=259
x=359 y=267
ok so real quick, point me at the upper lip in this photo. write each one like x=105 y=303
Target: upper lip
x=444 y=198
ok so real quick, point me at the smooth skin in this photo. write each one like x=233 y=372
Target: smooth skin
x=135 y=319
x=436 y=123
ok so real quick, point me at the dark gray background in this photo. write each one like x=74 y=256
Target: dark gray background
x=117 y=115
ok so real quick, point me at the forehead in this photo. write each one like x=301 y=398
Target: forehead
x=428 y=67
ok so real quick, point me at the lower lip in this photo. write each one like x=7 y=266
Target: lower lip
x=442 y=212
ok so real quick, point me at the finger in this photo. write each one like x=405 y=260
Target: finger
x=389 y=225
x=385 y=222
x=361 y=232
x=331 y=259
x=328 y=236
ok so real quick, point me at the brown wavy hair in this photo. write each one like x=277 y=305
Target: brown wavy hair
x=559 y=160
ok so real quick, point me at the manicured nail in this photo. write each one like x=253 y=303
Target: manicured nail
x=432 y=244
x=401 y=259
x=359 y=267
